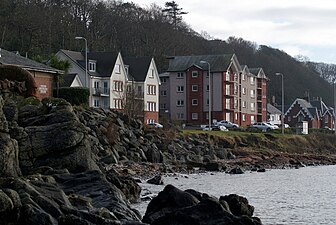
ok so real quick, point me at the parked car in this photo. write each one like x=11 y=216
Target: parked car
x=155 y=125
x=215 y=128
x=264 y=126
x=273 y=125
x=227 y=124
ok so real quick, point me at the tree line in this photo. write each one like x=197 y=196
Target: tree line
x=42 y=27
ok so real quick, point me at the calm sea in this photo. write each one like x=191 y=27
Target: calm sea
x=293 y=196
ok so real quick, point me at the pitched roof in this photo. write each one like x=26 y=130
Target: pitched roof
x=105 y=61
x=10 y=58
x=68 y=79
x=255 y=71
x=218 y=63
x=272 y=109
x=138 y=67
x=320 y=105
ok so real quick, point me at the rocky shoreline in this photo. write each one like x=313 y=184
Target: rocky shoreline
x=64 y=165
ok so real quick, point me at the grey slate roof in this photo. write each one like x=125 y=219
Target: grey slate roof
x=218 y=63
x=68 y=79
x=10 y=58
x=321 y=107
x=255 y=71
x=272 y=109
x=138 y=67
x=105 y=61
x=307 y=106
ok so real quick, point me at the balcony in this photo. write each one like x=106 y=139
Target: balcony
x=101 y=92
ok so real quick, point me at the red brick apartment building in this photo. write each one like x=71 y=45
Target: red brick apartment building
x=238 y=93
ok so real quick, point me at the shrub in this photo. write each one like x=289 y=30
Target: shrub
x=74 y=95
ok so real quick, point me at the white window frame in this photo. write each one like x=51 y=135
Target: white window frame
x=194 y=101
x=92 y=66
x=117 y=68
x=244 y=117
x=194 y=116
x=163 y=93
x=244 y=104
x=194 y=73
x=252 y=93
x=252 y=106
x=244 y=91
x=194 y=88
x=252 y=80
x=163 y=80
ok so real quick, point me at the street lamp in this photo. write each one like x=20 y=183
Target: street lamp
x=282 y=102
x=82 y=38
x=86 y=75
x=210 y=105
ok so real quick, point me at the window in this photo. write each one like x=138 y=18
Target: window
x=194 y=116
x=151 y=75
x=151 y=89
x=244 y=104
x=92 y=66
x=235 y=89
x=227 y=89
x=180 y=116
x=180 y=75
x=252 y=93
x=126 y=69
x=194 y=102
x=180 y=88
x=194 y=74
x=207 y=102
x=163 y=93
x=118 y=86
x=194 y=88
x=163 y=80
x=236 y=116
x=105 y=87
x=244 y=91
x=252 y=106
x=252 y=80
x=252 y=119
x=235 y=103
x=96 y=87
x=243 y=76
x=179 y=103
x=207 y=87
x=117 y=103
x=227 y=103
x=96 y=103
x=227 y=75
x=117 y=68
x=151 y=106
x=244 y=117
x=163 y=106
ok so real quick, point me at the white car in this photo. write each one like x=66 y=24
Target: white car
x=227 y=124
x=155 y=125
x=264 y=126
x=273 y=125
x=215 y=127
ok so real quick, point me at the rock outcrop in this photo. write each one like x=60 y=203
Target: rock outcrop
x=173 y=206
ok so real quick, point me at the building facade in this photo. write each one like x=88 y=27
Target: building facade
x=186 y=92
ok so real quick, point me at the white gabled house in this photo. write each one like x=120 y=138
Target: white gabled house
x=129 y=84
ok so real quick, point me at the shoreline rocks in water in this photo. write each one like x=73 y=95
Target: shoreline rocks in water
x=174 y=206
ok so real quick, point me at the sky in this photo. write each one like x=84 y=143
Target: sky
x=298 y=27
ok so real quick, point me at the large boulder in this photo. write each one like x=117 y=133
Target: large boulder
x=173 y=206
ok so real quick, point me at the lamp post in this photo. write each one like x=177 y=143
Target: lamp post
x=82 y=38
x=282 y=102
x=210 y=103
x=86 y=53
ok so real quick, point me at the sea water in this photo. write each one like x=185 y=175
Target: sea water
x=290 y=196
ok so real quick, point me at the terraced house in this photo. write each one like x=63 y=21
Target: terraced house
x=238 y=94
x=131 y=85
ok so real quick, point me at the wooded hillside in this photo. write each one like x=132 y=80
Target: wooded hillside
x=39 y=28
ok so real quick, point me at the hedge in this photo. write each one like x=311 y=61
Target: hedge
x=74 y=95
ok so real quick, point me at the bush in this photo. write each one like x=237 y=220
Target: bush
x=74 y=95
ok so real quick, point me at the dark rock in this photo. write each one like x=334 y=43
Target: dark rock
x=239 y=205
x=213 y=166
x=236 y=170
x=261 y=170
x=173 y=206
x=157 y=180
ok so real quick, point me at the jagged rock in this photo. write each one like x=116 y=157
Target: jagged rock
x=173 y=206
x=236 y=170
x=239 y=205
x=157 y=180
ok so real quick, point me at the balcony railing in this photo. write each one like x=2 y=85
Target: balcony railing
x=101 y=91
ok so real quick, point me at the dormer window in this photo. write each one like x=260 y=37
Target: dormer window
x=126 y=69
x=92 y=66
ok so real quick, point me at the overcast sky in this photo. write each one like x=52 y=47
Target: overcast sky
x=304 y=27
